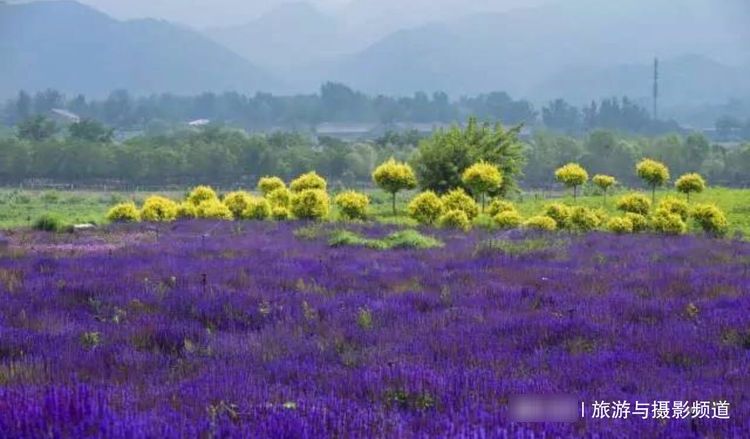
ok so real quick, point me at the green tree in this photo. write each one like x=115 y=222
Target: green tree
x=442 y=158
x=37 y=129
x=90 y=131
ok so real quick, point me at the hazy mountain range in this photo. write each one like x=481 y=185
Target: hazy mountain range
x=576 y=49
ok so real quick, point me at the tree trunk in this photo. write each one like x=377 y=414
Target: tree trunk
x=393 y=203
x=653 y=195
x=575 y=193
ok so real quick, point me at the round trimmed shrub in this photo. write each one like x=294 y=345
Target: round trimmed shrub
x=690 y=183
x=392 y=177
x=634 y=203
x=257 y=209
x=352 y=205
x=310 y=204
x=711 y=219
x=583 y=219
x=213 y=209
x=455 y=219
x=458 y=199
x=280 y=213
x=604 y=182
x=200 y=194
x=124 y=213
x=509 y=219
x=280 y=197
x=187 y=210
x=482 y=178
x=572 y=175
x=653 y=173
x=308 y=181
x=668 y=223
x=237 y=202
x=560 y=213
x=159 y=209
x=426 y=208
x=266 y=185
x=639 y=222
x=676 y=206
x=540 y=222
x=498 y=206
x=621 y=225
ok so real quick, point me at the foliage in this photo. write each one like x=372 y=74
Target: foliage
x=457 y=199
x=583 y=219
x=604 y=182
x=441 y=159
x=187 y=210
x=508 y=219
x=426 y=208
x=572 y=175
x=124 y=212
x=560 y=213
x=634 y=203
x=159 y=209
x=352 y=205
x=540 y=222
x=481 y=178
x=266 y=185
x=663 y=221
x=257 y=209
x=392 y=177
x=675 y=205
x=279 y=213
x=237 y=202
x=690 y=183
x=199 y=194
x=48 y=223
x=640 y=222
x=280 y=197
x=455 y=219
x=308 y=181
x=498 y=206
x=212 y=208
x=711 y=219
x=654 y=173
x=310 y=204
x=620 y=225
x=404 y=239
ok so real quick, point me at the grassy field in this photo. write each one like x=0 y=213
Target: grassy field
x=19 y=208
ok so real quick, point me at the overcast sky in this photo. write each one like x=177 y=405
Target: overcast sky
x=211 y=13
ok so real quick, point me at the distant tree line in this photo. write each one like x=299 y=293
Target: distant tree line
x=333 y=103
x=85 y=153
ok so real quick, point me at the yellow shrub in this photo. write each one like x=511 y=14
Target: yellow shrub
x=560 y=213
x=257 y=209
x=604 y=182
x=266 y=185
x=652 y=172
x=482 y=178
x=311 y=180
x=187 y=210
x=584 y=219
x=352 y=205
x=676 y=206
x=237 y=202
x=458 y=199
x=620 y=225
x=280 y=213
x=668 y=223
x=711 y=219
x=455 y=219
x=635 y=203
x=509 y=219
x=213 y=209
x=310 y=204
x=159 y=209
x=392 y=177
x=690 y=183
x=124 y=213
x=280 y=197
x=426 y=207
x=498 y=206
x=200 y=194
x=572 y=175
x=639 y=222
x=540 y=222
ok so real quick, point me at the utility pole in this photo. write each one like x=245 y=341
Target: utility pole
x=656 y=88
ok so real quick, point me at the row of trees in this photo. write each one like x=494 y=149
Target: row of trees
x=334 y=103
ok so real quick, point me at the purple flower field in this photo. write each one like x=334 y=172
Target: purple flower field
x=203 y=329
